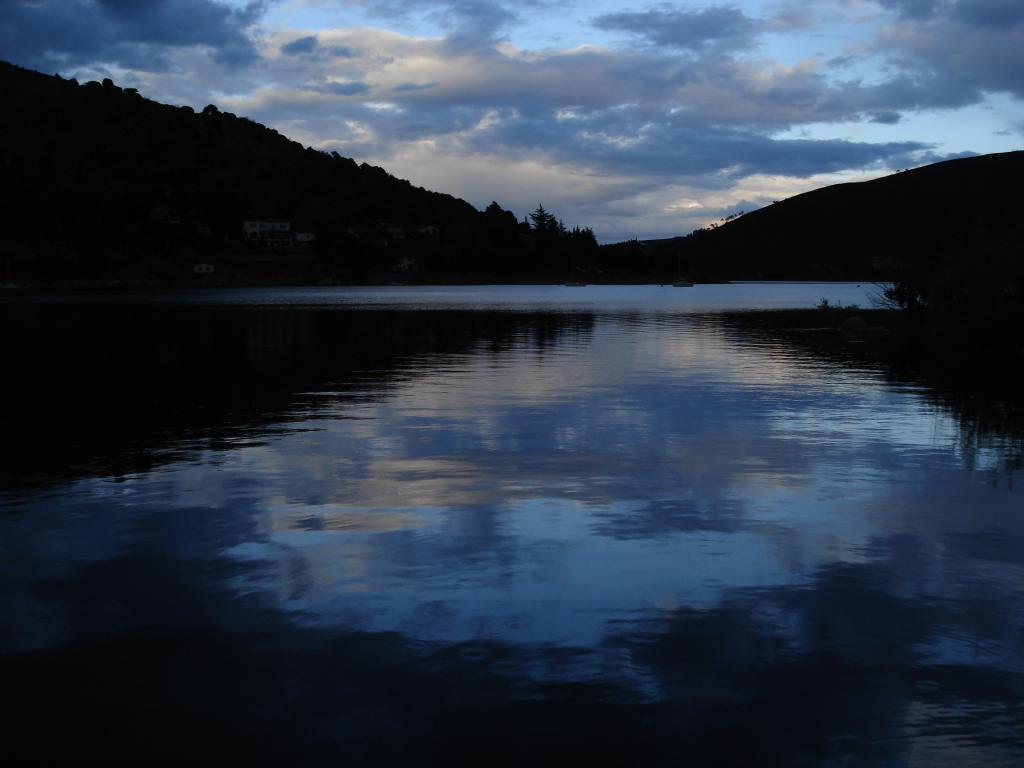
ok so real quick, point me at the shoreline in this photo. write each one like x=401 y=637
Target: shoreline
x=397 y=281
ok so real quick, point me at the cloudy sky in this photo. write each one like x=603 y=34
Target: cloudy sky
x=637 y=118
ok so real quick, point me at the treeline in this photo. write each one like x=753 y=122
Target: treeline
x=549 y=245
x=100 y=183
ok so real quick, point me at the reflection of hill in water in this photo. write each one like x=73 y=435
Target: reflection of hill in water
x=117 y=389
x=982 y=395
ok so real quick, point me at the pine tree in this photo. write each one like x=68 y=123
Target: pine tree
x=544 y=222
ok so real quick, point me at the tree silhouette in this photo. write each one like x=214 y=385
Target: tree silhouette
x=544 y=222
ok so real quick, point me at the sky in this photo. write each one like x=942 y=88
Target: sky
x=638 y=119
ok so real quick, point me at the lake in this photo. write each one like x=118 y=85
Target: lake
x=500 y=525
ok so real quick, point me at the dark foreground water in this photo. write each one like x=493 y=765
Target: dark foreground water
x=498 y=526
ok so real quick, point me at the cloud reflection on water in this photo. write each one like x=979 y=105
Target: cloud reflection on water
x=802 y=558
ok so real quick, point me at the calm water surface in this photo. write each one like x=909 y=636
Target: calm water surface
x=414 y=525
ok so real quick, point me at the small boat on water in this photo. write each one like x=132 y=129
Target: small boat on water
x=575 y=285
x=682 y=284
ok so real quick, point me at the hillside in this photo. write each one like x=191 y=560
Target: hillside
x=948 y=238
x=869 y=229
x=101 y=184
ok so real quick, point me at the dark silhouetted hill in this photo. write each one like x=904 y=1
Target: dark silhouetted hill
x=100 y=183
x=948 y=238
x=937 y=213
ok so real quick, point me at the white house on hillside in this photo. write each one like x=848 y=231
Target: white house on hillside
x=258 y=230
x=276 y=235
